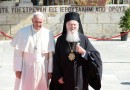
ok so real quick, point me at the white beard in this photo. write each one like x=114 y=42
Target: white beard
x=72 y=37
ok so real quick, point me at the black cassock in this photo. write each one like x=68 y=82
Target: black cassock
x=79 y=73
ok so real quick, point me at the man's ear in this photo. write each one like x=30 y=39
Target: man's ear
x=32 y=20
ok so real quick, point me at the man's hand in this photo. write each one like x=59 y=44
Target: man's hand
x=18 y=74
x=80 y=50
x=61 y=80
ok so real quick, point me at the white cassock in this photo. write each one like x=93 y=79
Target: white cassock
x=33 y=56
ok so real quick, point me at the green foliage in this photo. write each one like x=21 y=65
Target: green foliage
x=125 y=21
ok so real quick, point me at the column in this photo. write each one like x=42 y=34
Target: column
x=26 y=3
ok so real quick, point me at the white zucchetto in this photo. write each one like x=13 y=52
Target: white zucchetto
x=38 y=13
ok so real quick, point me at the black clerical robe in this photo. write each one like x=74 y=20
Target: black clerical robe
x=79 y=73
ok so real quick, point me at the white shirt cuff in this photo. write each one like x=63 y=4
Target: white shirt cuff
x=83 y=55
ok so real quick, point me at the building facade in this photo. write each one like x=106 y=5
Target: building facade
x=99 y=21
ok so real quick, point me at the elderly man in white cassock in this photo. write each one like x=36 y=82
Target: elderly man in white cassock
x=33 y=51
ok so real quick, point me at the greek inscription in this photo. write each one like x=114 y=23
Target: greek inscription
x=63 y=9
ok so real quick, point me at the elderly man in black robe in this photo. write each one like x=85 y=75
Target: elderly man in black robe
x=77 y=64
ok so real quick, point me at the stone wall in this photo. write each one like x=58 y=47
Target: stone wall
x=98 y=25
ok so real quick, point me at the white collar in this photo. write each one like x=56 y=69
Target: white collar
x=35 y=29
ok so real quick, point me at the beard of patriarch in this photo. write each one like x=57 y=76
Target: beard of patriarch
x=72 y=37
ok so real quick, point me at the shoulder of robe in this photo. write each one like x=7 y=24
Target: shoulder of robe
x=61 y=38
x=24 y=30
x=83 y=37
x=45 y=30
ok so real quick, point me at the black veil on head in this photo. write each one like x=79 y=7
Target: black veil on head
x=72 y=16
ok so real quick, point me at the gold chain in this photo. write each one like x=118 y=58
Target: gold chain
x=71 y=49
x=71 y=55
